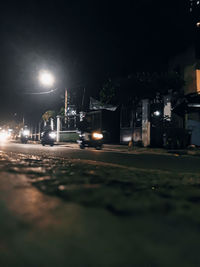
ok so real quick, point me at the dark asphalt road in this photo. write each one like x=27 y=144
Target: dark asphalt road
x=102 y=222
x=143 y=161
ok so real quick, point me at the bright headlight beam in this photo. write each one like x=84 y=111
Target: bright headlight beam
x=97 y=135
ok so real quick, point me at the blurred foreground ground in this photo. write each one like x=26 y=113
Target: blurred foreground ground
x=61 y=212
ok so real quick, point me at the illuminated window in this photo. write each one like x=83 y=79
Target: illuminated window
x=198 y=80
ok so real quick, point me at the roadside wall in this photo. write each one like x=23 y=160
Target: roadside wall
x=69 y=136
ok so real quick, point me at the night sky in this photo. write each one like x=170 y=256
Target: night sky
x=82 y=43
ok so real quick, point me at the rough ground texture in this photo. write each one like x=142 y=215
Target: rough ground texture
x=85 y=213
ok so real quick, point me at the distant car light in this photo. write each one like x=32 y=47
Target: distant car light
x=97 y=136
x=26 y=132
x=52 y=135
x=3 y=137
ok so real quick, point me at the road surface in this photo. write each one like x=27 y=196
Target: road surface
x=61 y=206
x=148 y=161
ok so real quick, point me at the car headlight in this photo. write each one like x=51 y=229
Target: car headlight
x=3 y=137
x=52 y=135
x=97 y=136
x=26 y=132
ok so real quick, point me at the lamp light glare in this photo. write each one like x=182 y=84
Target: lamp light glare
x=46 y=78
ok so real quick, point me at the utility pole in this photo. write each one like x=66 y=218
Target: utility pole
x=83 y=98
x=66 y=100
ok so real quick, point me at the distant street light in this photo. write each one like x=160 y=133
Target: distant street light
x=157 y=113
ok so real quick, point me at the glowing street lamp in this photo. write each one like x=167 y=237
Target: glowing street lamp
x=46 y=78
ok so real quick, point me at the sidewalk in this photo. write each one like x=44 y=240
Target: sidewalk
x=150 y=150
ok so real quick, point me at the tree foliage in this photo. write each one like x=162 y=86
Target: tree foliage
x=62 y=111
x=48 y=114
x=108 y=92
x=139 y=86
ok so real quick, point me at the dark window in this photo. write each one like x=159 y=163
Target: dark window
x=138 y=117
x=125 y=117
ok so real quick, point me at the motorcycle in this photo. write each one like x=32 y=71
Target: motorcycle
x=48 y=138
x=24 y=136
x=94 y=139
